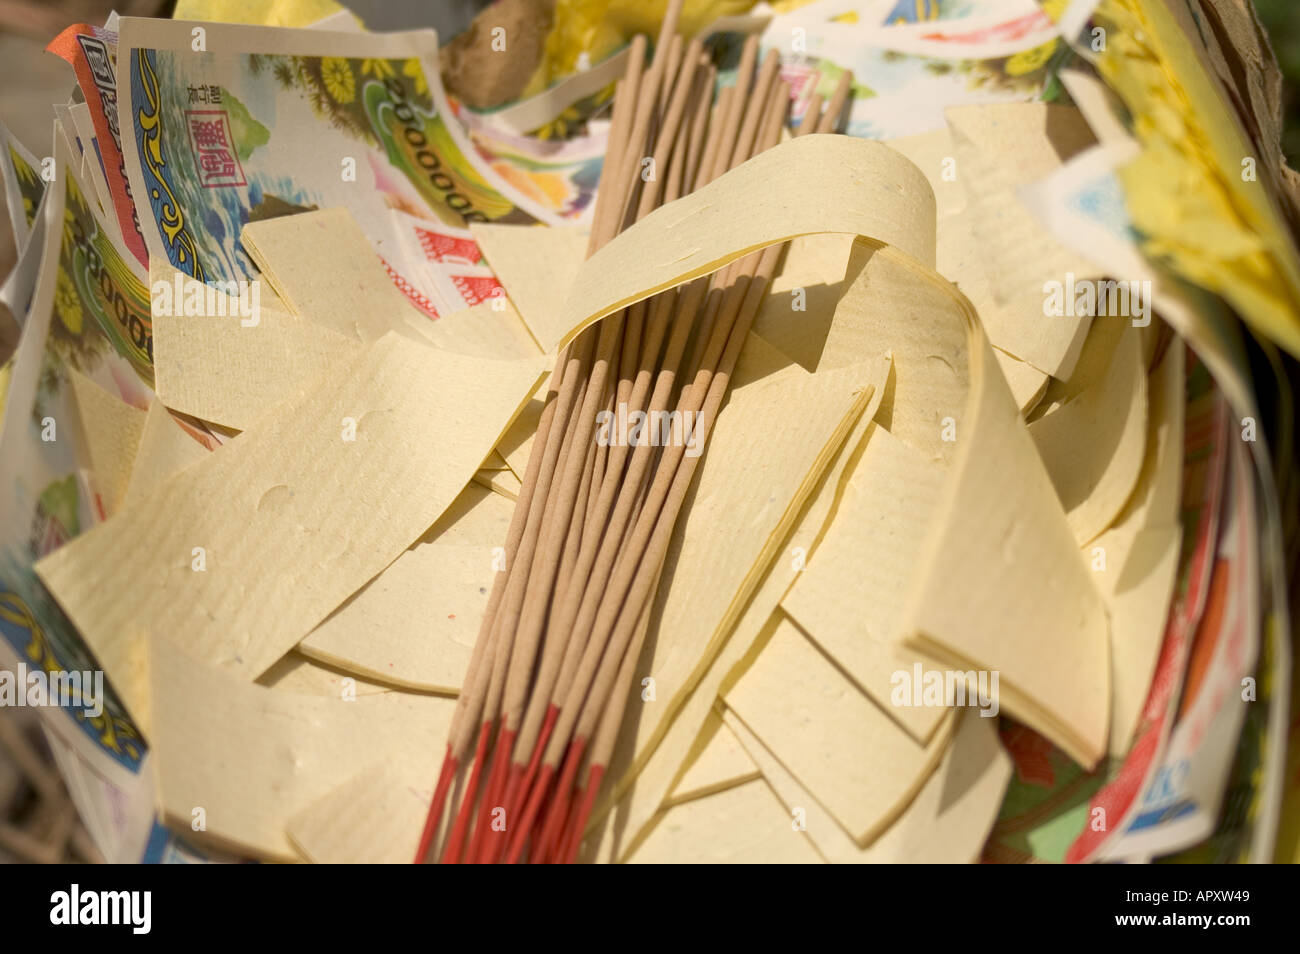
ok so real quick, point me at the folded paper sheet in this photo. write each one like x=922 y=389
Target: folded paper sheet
x=325 y=270
x=165 y=449
x=648 y=776
x=945 y=823
x=846 y=599
x=1004 y=586
x=1094 y=445
x=415 y=623
x=241 y=555
x=249 y=758
x=111 y=431
x=850 y=755
x=827 y=184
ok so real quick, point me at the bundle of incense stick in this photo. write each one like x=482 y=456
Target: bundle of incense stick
x=550 y=674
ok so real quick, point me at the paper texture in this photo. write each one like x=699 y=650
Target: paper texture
x=998 y=148
x=292 y=517
x=324 y=269
x=415 y=623
x=111 y=431
x=537 y=266
x=948 y=820
x=827 y=184
x=373 y=818
x=250 y=757
x=1093 y=446
x=164 y=450
x=847 y=598
x=742 y=825
x=843 y=748
x=1005 y=587
x=259 y=365
x=721 y=763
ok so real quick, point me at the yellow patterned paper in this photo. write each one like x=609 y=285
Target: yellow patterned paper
x=1192 y=193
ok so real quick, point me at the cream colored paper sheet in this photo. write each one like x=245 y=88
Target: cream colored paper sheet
x=723 y=763
x=537 y=265
x=813 y=184
x=1005 y=586
x=250 y=758
x=219 y=370
x=888 y=304
x=294 y=672
x=1139 y=610
x=415 y=624
x=1135 y=563
x=111 y=431
x=325 y=270
x=292 y=517
x=946 y=823
x=374 y=818
x=1156 y=499
x=742 y=825
x=501 y=482
x=998 y=148
x=1093 y=446
x=491 y=329
x=958 y=258
x=850 y=755
x=846 y=599
x=165 y=449
x=779 y=431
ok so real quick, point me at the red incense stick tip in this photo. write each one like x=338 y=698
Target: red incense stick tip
x=559 y=811
x=491 y=816
x=530 y=813
x=573 y=839
x=449 y=767
x=451 y=854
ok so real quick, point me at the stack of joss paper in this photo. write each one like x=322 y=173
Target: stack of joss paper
x=804 y=436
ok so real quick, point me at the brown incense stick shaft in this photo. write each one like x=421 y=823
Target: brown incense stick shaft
x=610 y=597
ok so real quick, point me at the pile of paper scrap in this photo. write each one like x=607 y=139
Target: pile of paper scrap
x=341 y=524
